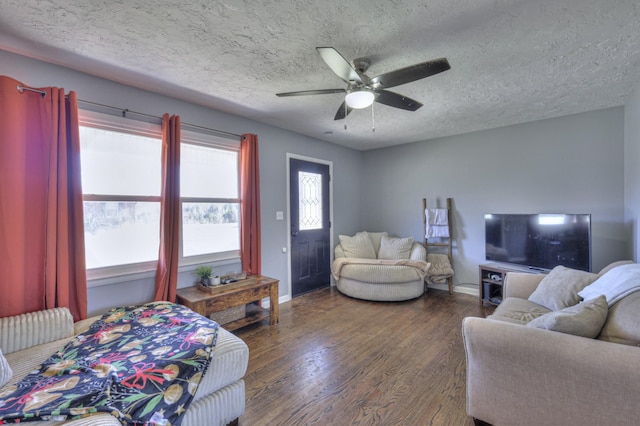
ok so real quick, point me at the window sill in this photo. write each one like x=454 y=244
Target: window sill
x=110 y=276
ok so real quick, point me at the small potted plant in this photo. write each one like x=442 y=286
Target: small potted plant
x=204 y=272
x=215 y=279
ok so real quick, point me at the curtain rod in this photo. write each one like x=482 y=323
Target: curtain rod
x=124 y=111
x=22 y=88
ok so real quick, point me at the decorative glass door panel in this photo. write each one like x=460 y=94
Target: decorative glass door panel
x=309 y=201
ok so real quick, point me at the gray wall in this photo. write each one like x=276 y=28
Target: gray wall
x=567 y=164
x=274 y=145
x=632 y=170
x=572 y=164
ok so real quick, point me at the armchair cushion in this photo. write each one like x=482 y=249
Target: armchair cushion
x=376 y=238
x=559 y=289
x=358 y=246
x=584 y=319
x=395 y=248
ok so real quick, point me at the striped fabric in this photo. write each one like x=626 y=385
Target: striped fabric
x=380 y=274
x=228 y=364
x=5 y=370
x=395 y=248
x=381 y=292
x=25 y=361
x=100 y=419
x=217 y=409
x=220 y=398
x=34 y=328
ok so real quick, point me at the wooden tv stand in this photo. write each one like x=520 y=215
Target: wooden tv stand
x=492 y=278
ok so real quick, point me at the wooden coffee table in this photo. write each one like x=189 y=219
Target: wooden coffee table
x=224 y=296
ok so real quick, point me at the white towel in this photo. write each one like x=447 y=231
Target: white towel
x=437 y=216
x=437 y=223
x=616 y=284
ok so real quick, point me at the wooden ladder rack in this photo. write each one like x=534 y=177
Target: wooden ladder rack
x=449 y=241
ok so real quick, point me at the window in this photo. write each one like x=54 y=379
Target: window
x=121 y=183
x=209 y=188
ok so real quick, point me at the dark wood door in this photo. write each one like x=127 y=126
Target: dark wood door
x=310 y=227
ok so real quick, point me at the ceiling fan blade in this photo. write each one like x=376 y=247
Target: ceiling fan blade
x=340 y=114
x=411 y=73
x=339 y=64
x=312 y=92
x=396 y=100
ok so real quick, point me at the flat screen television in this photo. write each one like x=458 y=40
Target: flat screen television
x=540 y=241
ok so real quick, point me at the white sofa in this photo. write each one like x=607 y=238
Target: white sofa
x=546 y=358
x=375 y=266
x=29 y=339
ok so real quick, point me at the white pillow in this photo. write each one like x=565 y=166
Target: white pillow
x=359 y=246
x=5 y=370
x=395 y=248
x=559 y=289
x=615 y=284
x=584 y=319
x=375 y=237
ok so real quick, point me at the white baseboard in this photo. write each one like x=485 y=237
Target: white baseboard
x=281 y=300
x=470 y=289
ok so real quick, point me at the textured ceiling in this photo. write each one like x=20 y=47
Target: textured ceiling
x=511 y=61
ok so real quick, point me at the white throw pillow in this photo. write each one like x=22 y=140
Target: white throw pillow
x=5 y=370
x=584 y=319
x=395 y=248
x=358 y=246
x=615 y=284
x=559 y=289
x=375 y=237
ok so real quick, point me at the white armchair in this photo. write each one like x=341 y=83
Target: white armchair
x=374 y=266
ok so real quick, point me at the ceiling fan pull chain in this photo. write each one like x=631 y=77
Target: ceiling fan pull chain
x=373 y=120
x=345 y=116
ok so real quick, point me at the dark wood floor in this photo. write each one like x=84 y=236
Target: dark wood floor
x=334 y=360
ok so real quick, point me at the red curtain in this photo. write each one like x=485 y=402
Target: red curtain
x=167 y=272
x=250 y=204
x=42 y=263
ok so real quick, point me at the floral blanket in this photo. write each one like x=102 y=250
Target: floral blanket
x=142 y=364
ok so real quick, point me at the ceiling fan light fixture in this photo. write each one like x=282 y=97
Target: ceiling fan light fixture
x=359 y=99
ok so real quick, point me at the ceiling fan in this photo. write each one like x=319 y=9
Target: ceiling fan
x=363 y=90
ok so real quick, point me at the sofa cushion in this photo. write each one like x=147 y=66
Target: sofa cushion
x=395 y=248
x=622 y=323
x=516 y=310
x=5 y=370
x=559 y=289
x=584 y=319
x=376 y=238
x=358 y=246
x=615 y=284
x=614 y=265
